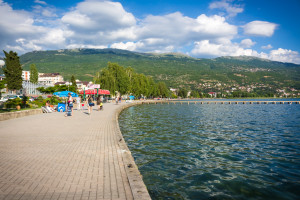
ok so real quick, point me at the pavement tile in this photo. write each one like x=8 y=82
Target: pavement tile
x=49 y=156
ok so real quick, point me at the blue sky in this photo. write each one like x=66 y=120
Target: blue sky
x=200 y=28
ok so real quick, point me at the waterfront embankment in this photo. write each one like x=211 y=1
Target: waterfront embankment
x=49 y=156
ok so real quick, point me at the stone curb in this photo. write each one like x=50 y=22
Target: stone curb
x=17 y=114
x=139 y=189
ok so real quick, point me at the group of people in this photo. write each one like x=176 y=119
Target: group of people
x=89 y=102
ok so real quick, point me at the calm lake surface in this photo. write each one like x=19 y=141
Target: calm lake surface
x=216 y=151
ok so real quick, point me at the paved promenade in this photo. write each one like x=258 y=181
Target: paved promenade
x=49 y=156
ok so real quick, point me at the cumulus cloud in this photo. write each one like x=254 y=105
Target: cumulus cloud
x=231 y=10
x=260 y=28
x=247 y=43
x=175 y=30
x=210 y=49
x=104 y=23
x=2 y=63
x=19 y=24
x=207 y=48
x=98 y=16
x=267 y=47
x=284 y=55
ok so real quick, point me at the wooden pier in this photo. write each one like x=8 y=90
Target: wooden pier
x=219 y=102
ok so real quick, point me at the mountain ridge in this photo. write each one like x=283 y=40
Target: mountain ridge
x=177 y=70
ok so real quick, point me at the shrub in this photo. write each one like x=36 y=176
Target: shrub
x=12 y=103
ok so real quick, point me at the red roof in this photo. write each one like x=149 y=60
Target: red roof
x=94 y=91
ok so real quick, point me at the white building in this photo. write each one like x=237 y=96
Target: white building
x=26 y=75
x=47 y=79
x=50 y=79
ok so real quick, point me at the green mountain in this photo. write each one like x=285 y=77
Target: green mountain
x=177 y=70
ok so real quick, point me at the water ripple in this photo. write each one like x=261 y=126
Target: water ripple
x=216 y=151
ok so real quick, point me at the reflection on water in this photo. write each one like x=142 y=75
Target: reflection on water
x=216 y=151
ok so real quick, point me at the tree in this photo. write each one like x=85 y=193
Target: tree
x=73 y=81
x=182 y=93
x=2 y=85
x=163 y=90
x=120 y=77
x=13 y=71
x=34 y=75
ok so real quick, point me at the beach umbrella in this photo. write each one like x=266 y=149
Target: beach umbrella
x=65 y=94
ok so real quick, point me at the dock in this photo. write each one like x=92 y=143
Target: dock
x=218 y=102
x=49 y=156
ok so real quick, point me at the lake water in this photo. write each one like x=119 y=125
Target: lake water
x=216 y=151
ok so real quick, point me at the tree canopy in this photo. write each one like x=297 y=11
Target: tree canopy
x=73 y=81
x=125 y=81
x=34 y=75
x=13 y=71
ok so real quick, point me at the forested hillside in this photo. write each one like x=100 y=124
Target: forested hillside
x=176 y=70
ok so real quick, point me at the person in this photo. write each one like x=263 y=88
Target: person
x=48 y=108
x=101 y=105
x=90 y=104
x=117 y=99
x=78 y=102
x=98 y=103
x=70 y=103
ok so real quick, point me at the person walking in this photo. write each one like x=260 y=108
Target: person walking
x=70 y=104
x=78 y=102
x=98 y=103
x=90 y=104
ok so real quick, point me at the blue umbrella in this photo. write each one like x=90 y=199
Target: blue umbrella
x=65 y=94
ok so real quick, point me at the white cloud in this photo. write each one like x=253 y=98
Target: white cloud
x=74 y=46
x=232 y=10
x=260 y=28
x=98 y=16
x=40 y=2
x=2 y=63
x=175 y=30
x=103 y=23
x=19 y=24
x=207 y=48
x=267 y=47
x=131 y=46
x=284 y=55
x=247 y=43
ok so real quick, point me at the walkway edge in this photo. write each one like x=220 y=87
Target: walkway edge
x=17 y=114
x=137 y=185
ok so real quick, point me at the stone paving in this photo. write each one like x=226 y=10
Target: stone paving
x=49 y=156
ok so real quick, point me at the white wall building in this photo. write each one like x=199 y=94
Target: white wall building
x=50 y=79
x=47 y=79
x=26 y=75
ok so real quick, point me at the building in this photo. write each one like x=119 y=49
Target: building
x=49 y=79
x=30 y=89
x=45 y=79
x=26 y=75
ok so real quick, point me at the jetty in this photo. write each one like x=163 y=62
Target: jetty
x=219 y=102
x=50 y=156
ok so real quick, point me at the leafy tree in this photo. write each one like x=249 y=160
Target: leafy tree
x=120 y=77
x=34 y=75
x=182 y=93
x=163 y=90
x=195 y=94
x=126 y=81
x=73 y=81
x=13 y=71
x=2 y=85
